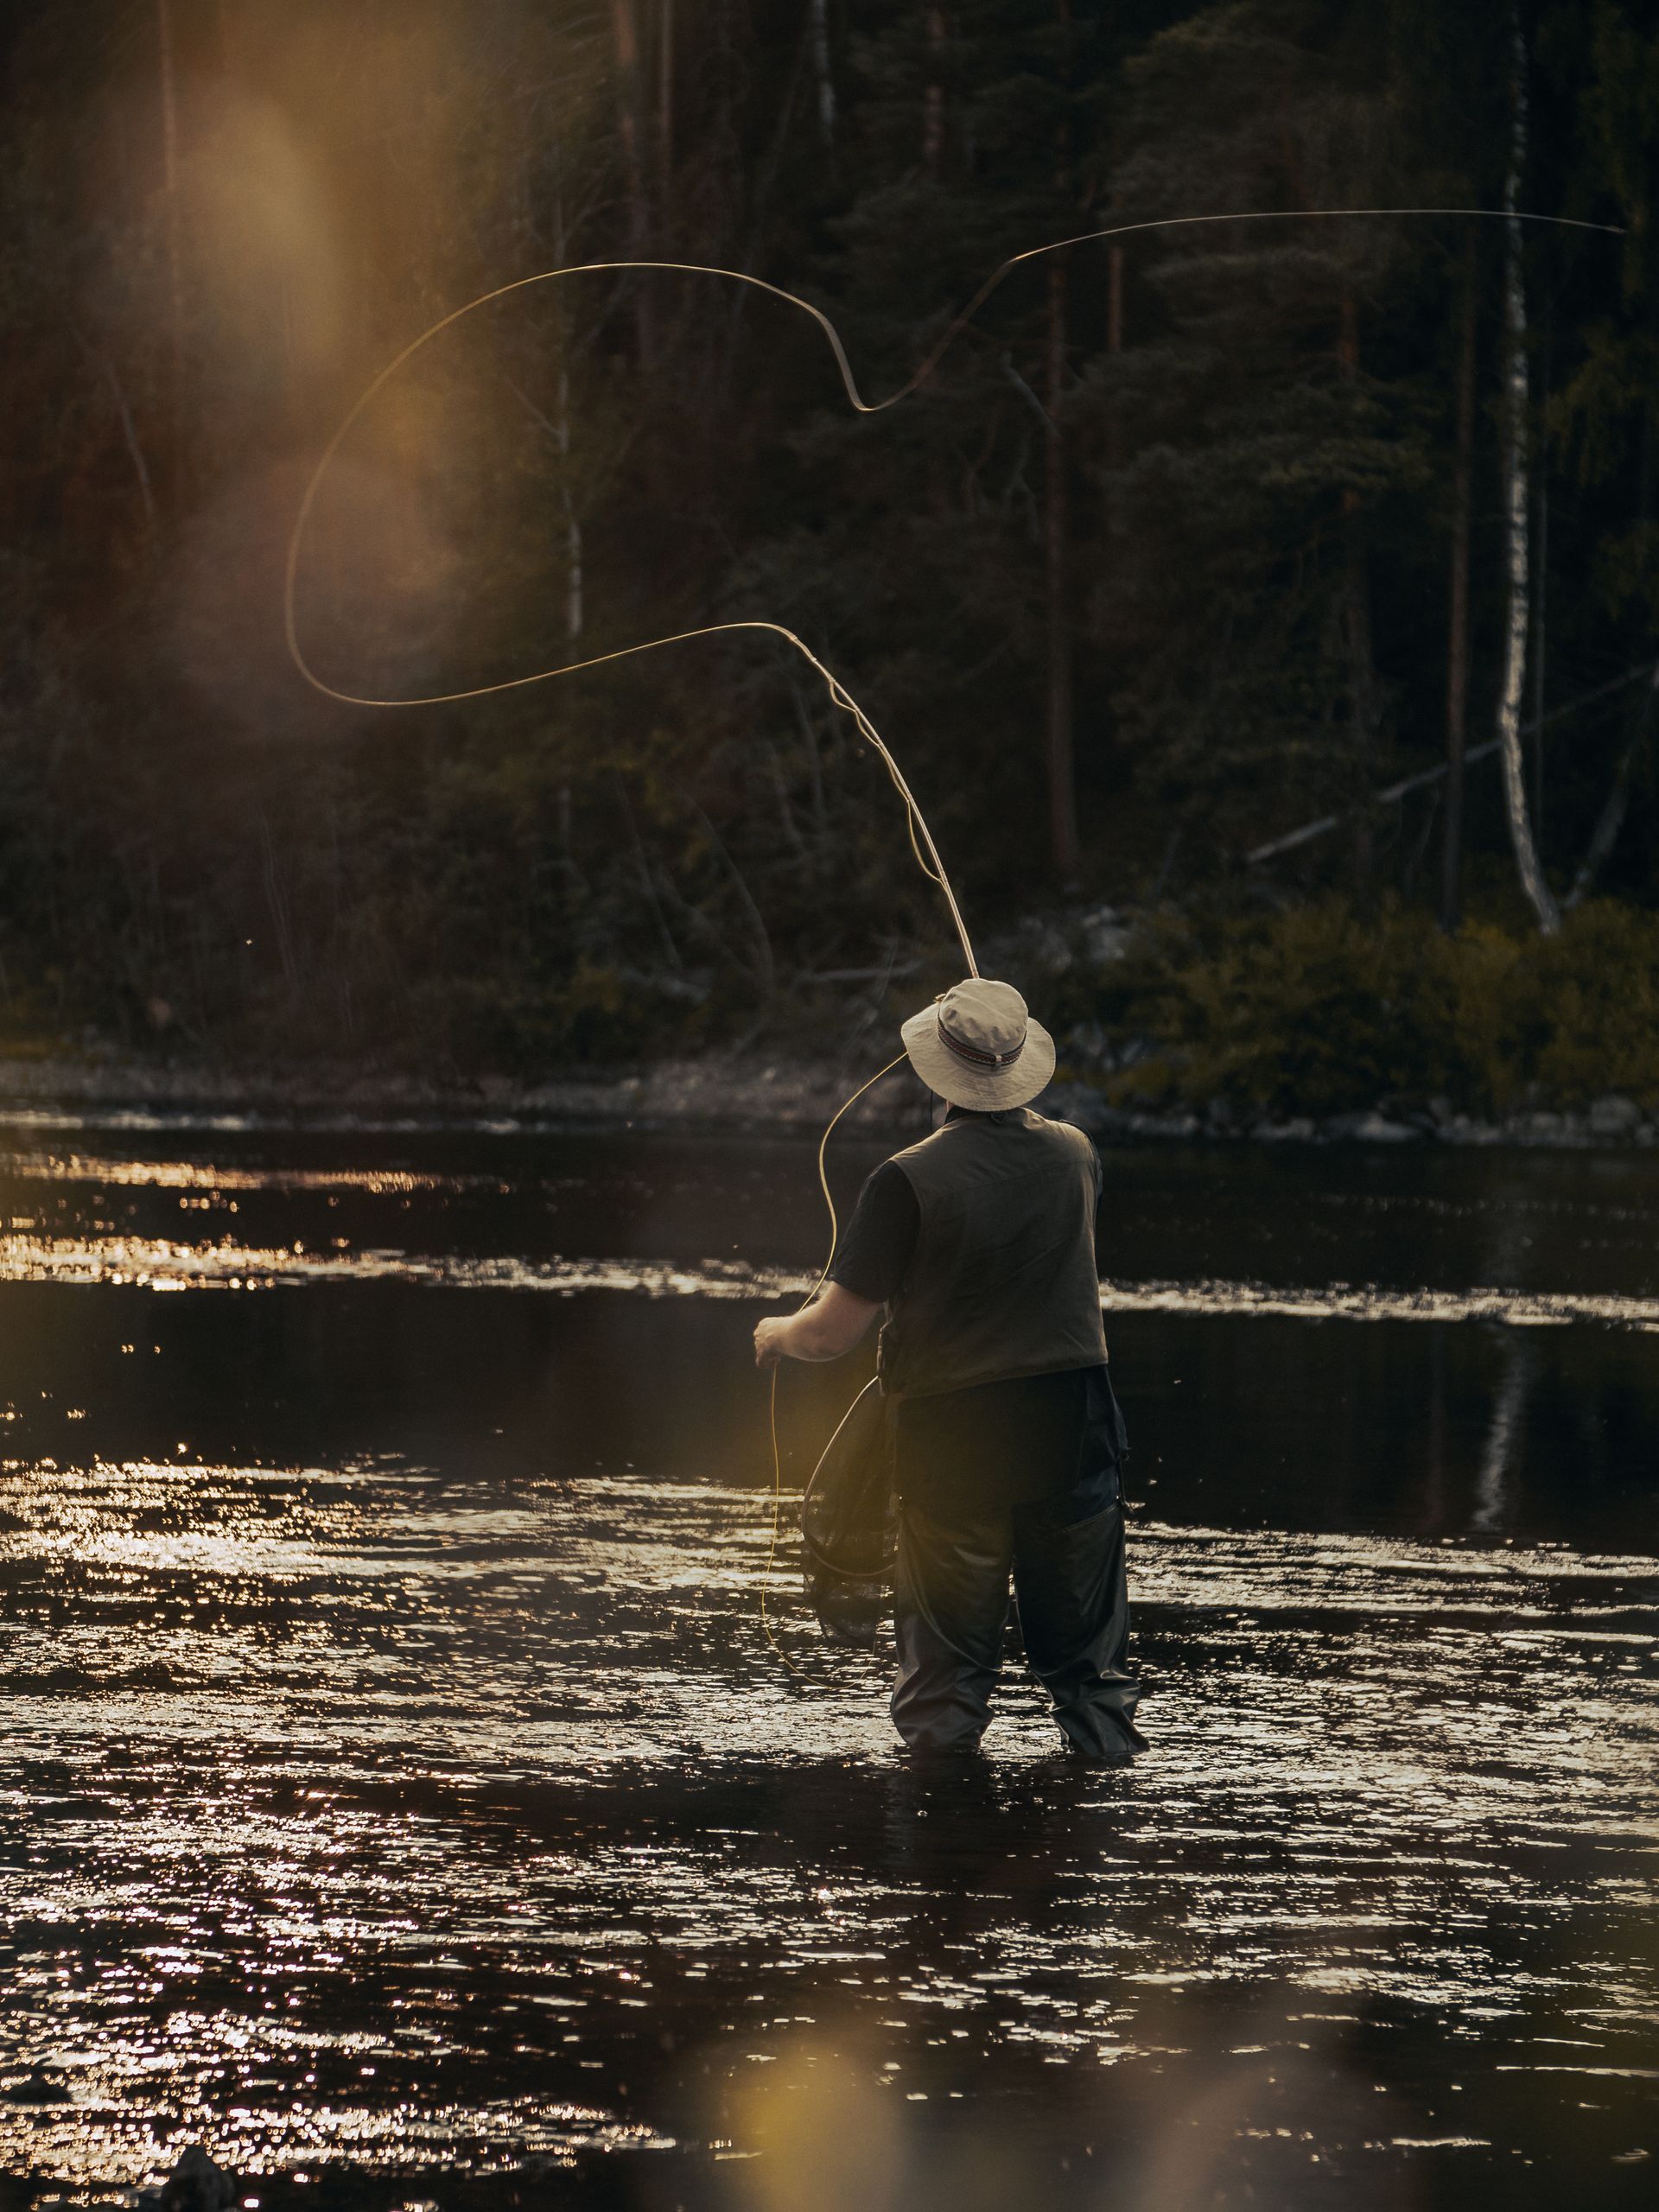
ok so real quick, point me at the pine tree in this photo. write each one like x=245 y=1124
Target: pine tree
x=945 y=525
x=1271 y=448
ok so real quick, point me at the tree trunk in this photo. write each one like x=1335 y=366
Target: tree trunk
x=665 y=108
x=1611 y=820
x=647 y=879
x=933 y=97
x=171 y=211
x=573 y=576
x=1538 y=592
x=815 y=765
x=575 y=884
x=826 y=82
x=1526 y=862
x=1457 y=654
x=573 y=599
x=630 y=135
x=1114 y=346
x=1059 y=749
x=105 y=364
x=1356 y=623
x=765 y=971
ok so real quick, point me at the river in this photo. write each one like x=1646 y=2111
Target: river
x=399 y=1795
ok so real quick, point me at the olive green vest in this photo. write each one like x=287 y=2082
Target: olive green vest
x=1003 y=1280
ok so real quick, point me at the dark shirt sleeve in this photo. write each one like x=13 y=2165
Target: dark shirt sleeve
x=876 y=1245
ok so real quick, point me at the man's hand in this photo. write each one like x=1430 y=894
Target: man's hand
x=831 y=1326
x=768 y=1351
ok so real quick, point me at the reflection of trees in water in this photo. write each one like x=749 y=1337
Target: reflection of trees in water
x=1493 y=1499
x=1521 y=1431
x=1506 y=1231
x=1433 y=1510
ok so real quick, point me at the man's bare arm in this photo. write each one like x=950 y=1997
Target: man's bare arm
x=826 y=1329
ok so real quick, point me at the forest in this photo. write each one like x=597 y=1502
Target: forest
x=1265 y=612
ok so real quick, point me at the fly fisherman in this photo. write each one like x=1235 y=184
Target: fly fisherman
x=980 y=1244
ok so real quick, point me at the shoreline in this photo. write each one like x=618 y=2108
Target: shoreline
x=753 y=1094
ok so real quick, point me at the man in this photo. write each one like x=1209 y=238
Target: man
x=979 y=1243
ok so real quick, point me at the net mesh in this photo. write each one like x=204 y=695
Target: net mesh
x=849 y=1526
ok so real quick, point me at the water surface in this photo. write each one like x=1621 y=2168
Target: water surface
x=402 y=1793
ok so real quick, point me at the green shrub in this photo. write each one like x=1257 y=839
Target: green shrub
x=1317 y=1010
x=1597 y=1006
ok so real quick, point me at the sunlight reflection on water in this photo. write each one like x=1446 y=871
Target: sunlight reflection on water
x=382 y=1814
x=226 y=1263
x=381 y=1690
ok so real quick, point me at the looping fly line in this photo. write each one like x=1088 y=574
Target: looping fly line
x=921 y=837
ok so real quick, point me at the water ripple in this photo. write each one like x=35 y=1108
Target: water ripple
x=158 y=1263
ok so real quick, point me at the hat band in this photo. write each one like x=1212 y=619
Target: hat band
x=974 y=1054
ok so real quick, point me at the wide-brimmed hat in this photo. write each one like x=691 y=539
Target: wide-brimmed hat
x=978 y=1046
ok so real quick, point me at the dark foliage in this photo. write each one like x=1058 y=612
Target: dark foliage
x=1189 y=503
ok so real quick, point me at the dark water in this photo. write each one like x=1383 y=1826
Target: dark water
x=399 y=1795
